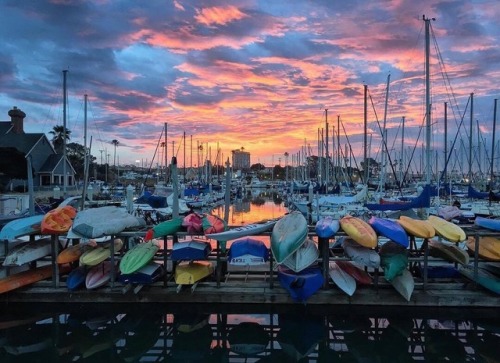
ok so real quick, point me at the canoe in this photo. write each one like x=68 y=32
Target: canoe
x=417 y=227
x=359 y=231
x=489 y=247
x=303 y=257
x=148 y=274
x=288 y=234
x=447 y=230
x=163 y=229
x=248 y=251
x=361 y=276
x=393 y=259
x=99 y=275
x=327 y=227
x=248 y=338
x=489 y=223
x=190 y=250
x=404 y=283
x=138 y=257
x=361 y=255
x=21 y=227
x=188 y=273
x=243 y=231
x=342 y=279
x=28 y=252
x=300 y=285
x=97 y=255
x=213 y=224
x=105 y=221
x=193 y=223
x=448 y=251
x=76 y=278
x=390 y=229
x=58 y=221
x=484 y=278
x=73 y=253
x=28 y=277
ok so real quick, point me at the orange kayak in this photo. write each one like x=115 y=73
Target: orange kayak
x=73 y=253
x=58 y=220
x=28 y=277
x=360 y=231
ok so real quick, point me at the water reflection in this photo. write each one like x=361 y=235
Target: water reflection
x=157 y=334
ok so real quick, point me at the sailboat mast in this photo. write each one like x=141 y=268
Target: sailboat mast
x=327 y=166
x=492 y=174
x=365 y=133
x=65 y=100
x=470 y=136
x=427 y=101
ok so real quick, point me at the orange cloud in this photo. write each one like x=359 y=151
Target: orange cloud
x=219 y=15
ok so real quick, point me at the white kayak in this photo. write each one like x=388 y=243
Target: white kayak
x=404 y=284
x=305 y=256
x=28 y=252
x=342 y=279
x=243 y=231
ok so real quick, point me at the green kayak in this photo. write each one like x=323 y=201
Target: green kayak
x=138 y=257
x=163 y=229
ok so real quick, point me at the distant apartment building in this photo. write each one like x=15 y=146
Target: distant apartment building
x=241 y=159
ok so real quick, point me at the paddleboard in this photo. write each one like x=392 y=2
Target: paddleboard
x=28 y=252
x=327 y=227
x=58 y=221
x=447 y=230
x=404 y=284
x=248 y=251
x=188 y=273
x=246 y=230
x=98 y=275
x=21 y=227
x=489 y=247
x=361 y=255
x=390 y=229
x=448 y=251
x=96 y=255
x=288 y=234
x=417 y=227
x=303 y=257
x=342 y=279
x=359 y=231
x=138 y=256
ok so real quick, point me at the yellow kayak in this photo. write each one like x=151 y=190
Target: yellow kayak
x=417 y=227
x=188 y=273
x=96 y=255
x=447 y=230
x=360 y=231
x=489 y=247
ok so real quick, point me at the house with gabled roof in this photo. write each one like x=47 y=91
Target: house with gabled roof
x=17 y=146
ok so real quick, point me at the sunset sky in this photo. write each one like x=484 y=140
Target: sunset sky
x=251 y=74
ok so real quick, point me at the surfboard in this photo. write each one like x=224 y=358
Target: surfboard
x=138 y=256
x=303 y=257
x=359 y=231
x=21 y=227
x=390 y=229
x=417 y=227
x=58 y=221
x=342 y=279
x=447 y=230
x=327 y=227
x=243 y=231
x=288 y=234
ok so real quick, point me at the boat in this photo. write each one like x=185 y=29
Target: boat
x=242 y=231
x=448 y=251
x=195 y=249
x=58 y=221
x=361 y=276
x=288 y=234
x=104 y=221
x=303 y=257
x=166 y=228
x=99 y=275
x=484 y=278
x=28 y=277
x=247 y=251
x=489 y=223
x=248 y=338
x=28 y=252
x=300 y=285
x=421 y=201
x=342 y=279
x=76 y=278
x=489 y=247
x=404 y=283
x=74 y=252
x=393 y=259
x=213 y=224
x=417 y=227
x=390 y=229
x=138 y=256
x=193 y=223
x=327 y=226
x=146 y=275
x=189 y=273
x=21 y=227
x=447 y=230
x=97 y=255
x=362 y=255
x=359 y=231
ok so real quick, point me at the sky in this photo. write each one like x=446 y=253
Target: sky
x=250 y=74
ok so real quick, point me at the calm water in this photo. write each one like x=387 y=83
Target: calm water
x=159 y=333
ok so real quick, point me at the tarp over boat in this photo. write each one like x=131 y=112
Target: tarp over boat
x=422 y=201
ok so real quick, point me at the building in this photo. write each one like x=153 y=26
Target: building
x=241 y=160
x=17 y=148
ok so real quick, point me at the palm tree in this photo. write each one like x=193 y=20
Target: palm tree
x=58 y=137
x=115 y=144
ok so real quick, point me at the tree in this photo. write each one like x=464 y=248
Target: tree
x=115 y=144
x=257 y=167
x=76 y=156
x=58 y=137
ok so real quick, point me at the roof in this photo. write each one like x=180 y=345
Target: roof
x=51 y=163
x=22 y=142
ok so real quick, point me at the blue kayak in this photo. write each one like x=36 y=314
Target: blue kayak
x=327 y=227
x=248 y=251
x=148 y=274
x=76 y=278
x=301 y=285
x=390 y=229
x=489 y=223
x=191 y=250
